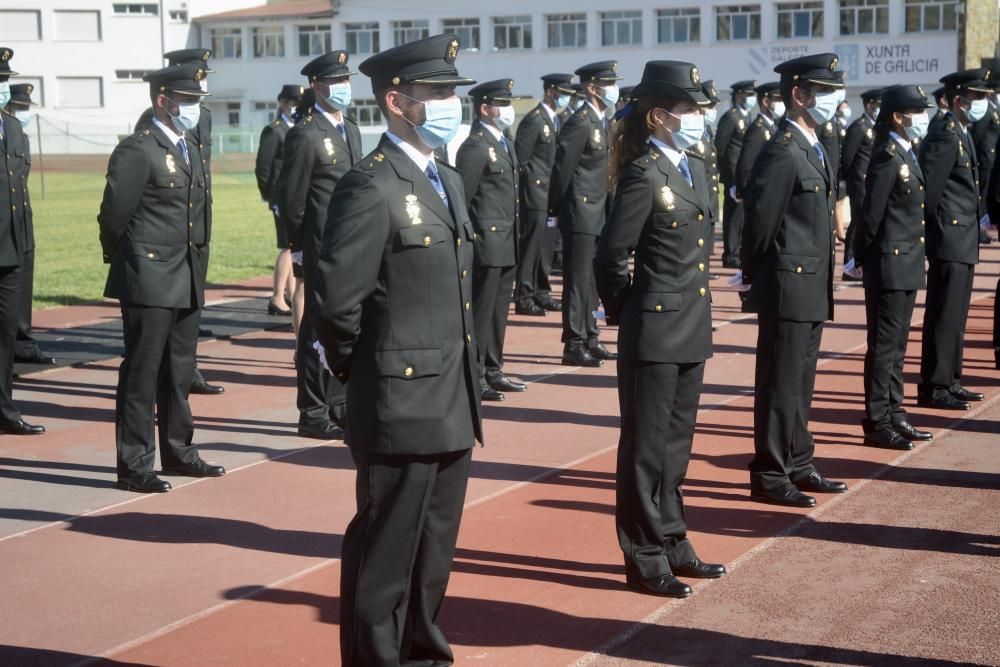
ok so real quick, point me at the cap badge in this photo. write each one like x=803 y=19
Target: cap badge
x=328 y=145
x=171 y=166
x=413 y=209
x=695 y=78
x=614 y=67
x=30 y=88
x=204 y=56
x=302 y=90
x=4 y=55
x=920 y=91
x=904 y=173
x=452 y=51
x=833 y=63
x=667 y=195
x=199 y=74
x=342 y=58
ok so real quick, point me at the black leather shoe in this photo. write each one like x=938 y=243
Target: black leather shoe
x=964 y=394
x=580 y=357
x=36 y=358
x=946 y=402
x=325 y=431
x=206 y=388
x=205 y=333
x=196 y=468
x=696 y=569
x=144 y=482
x=667 y=586
x=20 y=427
x=598 y=351
x=816 y=483
x=887 y=438
x=848 y=278
x=504 y=383
x=529 y=308
x=274 y=310
x=555 y=305
x=490 y=394
x=789 y=497
x=907 y=430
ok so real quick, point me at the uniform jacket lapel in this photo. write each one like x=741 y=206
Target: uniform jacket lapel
x=676 y=181
x=420 y=184
x=173 y=151
x=822 y=167
x=331 y=133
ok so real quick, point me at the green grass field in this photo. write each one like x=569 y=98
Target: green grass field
x=68 y=266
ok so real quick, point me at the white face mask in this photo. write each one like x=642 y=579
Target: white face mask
x=918 y=126
x=24 y=117
x=977 y=109
x=750 y=102
x=505 y=118
x=4 y=94
x=187 y=116
x=711 y=115
x=823 y=111
x=339 y=96
x=562 y=102
x=204 y=85
x=610 y=97
x=778 y=109
x=690 y=132
x=845 y=113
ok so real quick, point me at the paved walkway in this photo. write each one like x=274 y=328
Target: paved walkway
x=244 y=570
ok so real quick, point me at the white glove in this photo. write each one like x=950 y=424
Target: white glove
x=275 y=209
x=737 y=282
x=732 y=195
x=985 y=222
x=297 y=257
x=321 y=351
x=551 y=222
x=852 y=270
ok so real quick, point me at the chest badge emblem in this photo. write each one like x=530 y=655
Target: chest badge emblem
x=328 y=145
x=904 y=173
x=493 y=154
x=413 y=209
x=668 y=197
x=597 y=135
x=171 y=166
x=546 y=131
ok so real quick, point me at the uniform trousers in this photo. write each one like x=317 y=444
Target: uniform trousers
x=491 y=292
x=856 y=199
x=25 y=347
x=659 y=404
x=320 y=397
x=889 y=313
x=543 y=286
x=732 y=227
x=531 y=246
x=10 y=302
x=579 y=290
x=949 y=291
x=156 y=372
x=787 y=353
x=397 y=557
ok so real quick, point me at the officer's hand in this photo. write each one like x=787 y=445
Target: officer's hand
x=297 y=258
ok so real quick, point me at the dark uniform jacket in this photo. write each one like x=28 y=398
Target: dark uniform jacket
x=729 y=143
x=315 y=159
x=857 y=150
x=953 y=206
x=760 y=132
x=490 y=178
x=832 y=137
x=153 y=225
x=536 y=149
x=985 y=134
x=579 y=189
x=706 y=149
x=269 y=159
x=16 y=232
x=787 y=252
x=889 y=241
x=394 y=271
x=664 y=310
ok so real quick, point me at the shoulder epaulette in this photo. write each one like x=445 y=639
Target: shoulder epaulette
x=783 y=137
x=581 y=112
x=372 y=161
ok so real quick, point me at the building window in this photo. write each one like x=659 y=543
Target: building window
x=131 y=74
x=233 y=114
x=178 y=16
x=314 y=40
x=80 y=92
x=410 y=31
x=737 y=22
x=270 y=107
x=365 y=112
x=800 y=19
x=621 y=28
x=269 y=42
x=77 y=26
x=567 y=31
x=677 y=26
x=361 y=37
x=467 y=31
x=135 y=9
x=931 y=15
x=864 y=17
x=226 y=42
x=21 y=25
x=511 y=33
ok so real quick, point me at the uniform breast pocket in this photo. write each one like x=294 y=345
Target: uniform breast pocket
x=901 y=247
x=420 y=237
x=672 y=220
x=408 y=364
x=812 y=185
x=798 y=263
x=660 y=302
x=168 y=182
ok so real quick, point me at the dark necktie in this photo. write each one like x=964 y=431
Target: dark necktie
x=343 y=132
x=503 y=143
x=819 y=153
x=685 y=170
x=183 y=147
x=432 y=174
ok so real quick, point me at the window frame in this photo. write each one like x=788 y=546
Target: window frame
x=147 y=5
x=815 y=10
x=922 y=7
x=270 y=32
x=688 y=15
x=234 y=34
x=313 y=30
x=520 y=24
x=732 y=13
x=356 y=28
x=617 y=19
x=858 y=7
x=474 y=28
x=399 y=30
x=576 y=20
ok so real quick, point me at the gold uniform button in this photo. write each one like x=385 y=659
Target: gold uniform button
x=673 y=225
x=700 y=217
x=538 y=181
x=701 y=242
x=921 y=239
x=895 y=251
x=468 y=305
x=408 y=371
x=701 y=266
x=150 y=255
x=468 y=338
x=954 y=222
x=921 y=204
x=798 y=269
x=701 y=291
x=464 y=274
x=815 y=188
x=427 y=240
x=493 y=228
x=585 y=199
x=923 y=223
x=659 y=308
x=458 y=242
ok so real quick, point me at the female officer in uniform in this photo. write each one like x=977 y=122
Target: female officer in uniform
x=662 y=213
x=889 y=246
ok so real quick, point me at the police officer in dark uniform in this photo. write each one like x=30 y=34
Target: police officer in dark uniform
x=394 y=274
x=153 y=233
x=662 y=213
x=14 y=243
x=985 y=133
x=26 y=350
x=941 y=100
x=857 y=150
x=787 y=258
x=953 y=210
x=831 y=136
x=490 y=172
x=579 y=191
x=268 y=171
x=729 y=144
x=318 y=151
x=889 y=247
x=536 y=148
x=711 y=157
x=771 y=109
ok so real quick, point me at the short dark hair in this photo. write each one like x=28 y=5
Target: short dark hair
x=403 y=88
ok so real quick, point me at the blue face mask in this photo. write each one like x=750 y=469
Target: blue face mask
x=187 y=116
x=24 y=117
x=711 y=115
x=610 y=96
x=340 y=95
x=562 y=102
x=4 y=94
x=690 y=132
x=977 y=110
x=750 y=102
x=917 y=129
x=823 y=110
x=442 y=118
x=505 y=119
